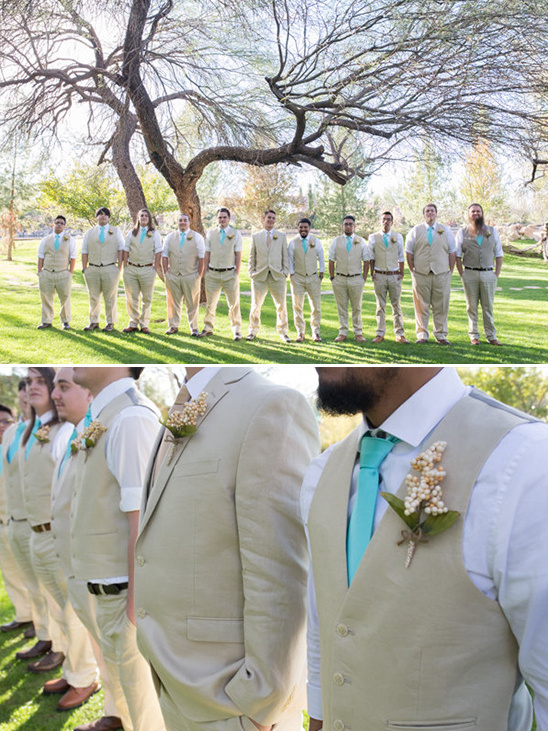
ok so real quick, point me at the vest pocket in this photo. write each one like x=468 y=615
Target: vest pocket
x=457 y=724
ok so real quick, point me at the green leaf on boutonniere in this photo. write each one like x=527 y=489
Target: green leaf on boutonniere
x=398 y=506
x=435 y=524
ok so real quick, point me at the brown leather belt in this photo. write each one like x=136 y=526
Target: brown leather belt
x=349 y=275
x=139 y=265
x=106 y=588
x=380 y=271
x=480 y=269
x=43 y=528
x=228 y=269
x=54 y=271
x=103 y=265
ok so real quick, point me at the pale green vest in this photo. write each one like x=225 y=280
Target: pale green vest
x=222 y=256
x=36 y=475
x=60 y=259
x=420 y=647
x=433 y=258
x=386 y=259
x=474 y=255
x=141 y=253
x=99 y=253
x=305 y=264
x=12 y=478
x=348 y=262
x=182 y=260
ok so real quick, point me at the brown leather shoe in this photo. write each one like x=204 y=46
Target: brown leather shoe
x=91 y=326
x=475 y=341
x=51 y=661
x=250 y=336
x=494 y=342
x=378 y=339
x=105 y=723
x=402 y=339
x=76 y=697
x=108 y=328
x=130 y=329
x=443 y=341
x=237 y=336
x=299 y=338
x=14 y=626
x=205 y=333
x=44 y=326
x=340 y=338
x=172 y=330
x=53 y=687
x=359 y=339
x=30 y=632
x=37 y=650
x=317 y=339
x=145 y=330
x=421 y=341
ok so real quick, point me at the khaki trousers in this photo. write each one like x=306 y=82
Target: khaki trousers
x=278 y=292
x=479 y=288
x=349 y=290
x=311 y=285
x=48 y=284
x=79 y=668
x=431 y=290
x=102 y=281
x=84 y=606
x=15 y=587
x=229 y=283
x=181 y=287
x=388 y=285
x=19 y=536
x=128 y=671
x=139 y=282
x=42 y=552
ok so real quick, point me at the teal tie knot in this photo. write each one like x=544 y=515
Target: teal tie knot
x=348 y=243
x=57 y=241
x=102 y=234
x=305 y=245
x=373 y=451
x=182 y=238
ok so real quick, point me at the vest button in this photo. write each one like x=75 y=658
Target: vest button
x=140 y=561
x=141 y=613
x=342 y=630
x=338 y=725
x=338 y=679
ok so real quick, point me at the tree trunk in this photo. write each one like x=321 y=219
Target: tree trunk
x=121 y=160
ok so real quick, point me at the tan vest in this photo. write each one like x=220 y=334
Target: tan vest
x=305 y=264
x=474 y=255
x=221 y=256
x=99 y=253
x=61 y=496
x=141 y=253
x=349 y=262
x=3 y=501
x=60 y=259
x=99 y=530
x=36 y=475
x=386 y=259
x=271 y=259
x=183 y=260
x=420 y=647
x=12 y=478
x=433 y=258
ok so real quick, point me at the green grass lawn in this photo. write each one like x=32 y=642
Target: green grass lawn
x=520 y=314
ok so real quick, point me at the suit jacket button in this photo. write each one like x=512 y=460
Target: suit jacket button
x=342 y=630
x=338 y=725
x=338 y=679
x=140 y=561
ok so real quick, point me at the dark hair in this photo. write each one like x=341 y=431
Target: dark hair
x=269 y=210
x=60 y=217
x=349 y=218
x=104 y=210
x=478 y=205
x=388 y=213
x=306 y=220
x=223 y=210
x=136 y=372
x=48 y=374
x=22 y=384
x=434 y=206
x=150 y=226
x=6 y=409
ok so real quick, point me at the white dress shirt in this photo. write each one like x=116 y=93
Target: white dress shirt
x=412 y=238
x=199 y=381
x=318 y=248
x=108 y=227
x=496 y=237
x=73 y=250
x=364 y=249
x=200 y=243
x=59 y=443
x=156 y=240
x=505 y=541
x=238 y=245
x=399 y=241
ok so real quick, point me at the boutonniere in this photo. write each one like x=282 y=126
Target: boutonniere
x=393 y=239
x=182 y=423
x=110 y=232
x=149 y=234
x=66 y=237
x=355 y=241
x=487 y=233
x=88 y=438
x=440 y=230
x=188 y=238
x=312 y=244
x=230 y=236
x=274 y=236
x=42 y=434
x=423 y=510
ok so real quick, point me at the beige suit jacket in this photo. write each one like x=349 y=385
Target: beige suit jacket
x=272 y=258
x=221 y=556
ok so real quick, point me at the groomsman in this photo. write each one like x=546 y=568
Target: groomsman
x=479 y=261
x=183 y=266
x=268 y=269
x=348 y=267
x=306 y=270
x=141 y=259
x=56 y=261
x=431 y=254
x=387 y=270
x=222 y=261
x=101 y=262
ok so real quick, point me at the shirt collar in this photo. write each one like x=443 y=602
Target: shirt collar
x=198 y=382
x=46 y=417
x=108 y=394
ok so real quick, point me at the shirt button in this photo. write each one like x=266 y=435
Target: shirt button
x=338 y=679
x=141 y=613
x=342 y=630
x=140 y=561
x=338 y=725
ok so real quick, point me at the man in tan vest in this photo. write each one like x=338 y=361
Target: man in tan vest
x=222 y=261
x=306 y=270
x=434 y=622
x=348 y=267
x=479 y=261
x=101 y=262
x=431 y=253
x=387 y=270
x=116 y=438
x=183 y=265
x=221 y=557
x=56 y=261
x=268 y=269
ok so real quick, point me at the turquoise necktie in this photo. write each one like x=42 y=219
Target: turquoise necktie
x=87 y=418
x=430 y=234
x=32 y=438
x=68 y=451
x=222 y=235
x=143 y=233
x=373 y=451
x=480 y=239
x=348 y=243
x=385 y=239
x=102 y=234
x=182 y=238
x=57 y=241
x=305 y=245
x=14 y=446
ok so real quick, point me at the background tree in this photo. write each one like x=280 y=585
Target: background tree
x=482 y=182
x=523 y=388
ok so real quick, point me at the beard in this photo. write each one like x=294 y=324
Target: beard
x=355 y=390
x=478 y=223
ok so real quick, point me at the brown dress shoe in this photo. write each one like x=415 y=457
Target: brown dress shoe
x=76 y=697
x=30 y=632
x=145 y=330
x=285 y=338
x=172 y=330
x=44 y=325
x=40 y=648
x=443 y=341
x=402 y=339
x=66 y=326
x=91 y=326
x=378 y=339
x=421 y=341
x=108 y=328
x=494 y=342
x=205 y=333
x=53 y=687
x=195 y=334
x=51 y=661
x=250 y=337
x=317 y=339
x=237 y=336
x=299 y=338
x=360 y=339
x=340 y=338
x=105 y=723
x=475 y=341
x=129 y=329
x=14 y=626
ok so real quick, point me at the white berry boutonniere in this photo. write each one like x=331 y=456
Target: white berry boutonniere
x=182 y=423
x=42 y=434
x=66 y=237
x=230 y=236
x=274 y=237
x=88 y=438
x=440 y=230
x=423 y=510
x=393 y=238
x=312 y=244
x=110 y=232
x=189 y=237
